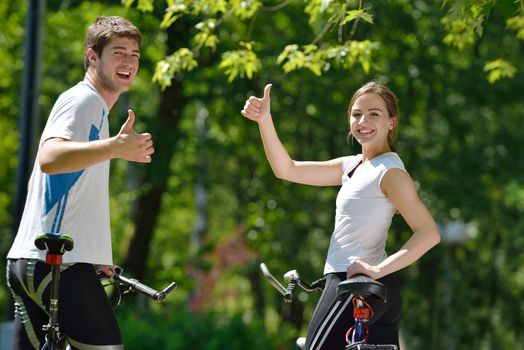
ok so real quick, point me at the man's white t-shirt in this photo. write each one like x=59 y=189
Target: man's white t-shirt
x=75 y=203
x=363 y=213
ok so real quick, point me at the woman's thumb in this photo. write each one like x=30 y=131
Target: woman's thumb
x=267 y=91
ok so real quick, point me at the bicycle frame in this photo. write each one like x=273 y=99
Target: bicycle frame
x=363 y=286
x=358 y=288
x=362 y=312
x=55 y=246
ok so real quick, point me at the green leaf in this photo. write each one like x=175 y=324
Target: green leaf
x=324 y=5
x=464 y=21
x=292 y=58
x=168 y=19
x=128 y=3
x=142 y=5
x=245 y=9
x=517 y=24
x=145 y=5
x=240 y=63
x=498 y=69
x=181 y=60
x=354 y=14
x=206 y=40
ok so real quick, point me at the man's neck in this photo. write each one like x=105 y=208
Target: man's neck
x=109 y=97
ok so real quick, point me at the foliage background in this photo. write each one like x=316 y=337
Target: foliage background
x=208 y=210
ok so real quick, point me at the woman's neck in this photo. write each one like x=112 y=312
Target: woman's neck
x=369 y=153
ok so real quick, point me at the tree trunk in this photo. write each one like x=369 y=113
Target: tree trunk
x=148 y=205
x=154 y=181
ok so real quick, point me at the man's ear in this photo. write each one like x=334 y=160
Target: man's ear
x=91 y=56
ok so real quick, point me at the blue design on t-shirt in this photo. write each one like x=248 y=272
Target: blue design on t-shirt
x=57 y=186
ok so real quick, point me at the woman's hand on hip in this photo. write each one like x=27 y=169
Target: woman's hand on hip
x=360 y=267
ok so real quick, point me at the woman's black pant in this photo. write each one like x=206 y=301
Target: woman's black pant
x=333 y=318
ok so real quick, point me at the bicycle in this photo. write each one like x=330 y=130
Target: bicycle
x=56 y=246
x=358 y=288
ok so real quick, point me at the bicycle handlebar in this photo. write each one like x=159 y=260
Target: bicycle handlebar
x=293 y=280
x=136 y=285
x=290 y=290
x=274 y=282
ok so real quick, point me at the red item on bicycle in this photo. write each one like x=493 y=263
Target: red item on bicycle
x=362 y=313
x=53 y=259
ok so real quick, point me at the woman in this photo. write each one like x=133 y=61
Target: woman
x=375 y=185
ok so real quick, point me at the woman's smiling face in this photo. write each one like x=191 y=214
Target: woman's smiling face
x=370 y=121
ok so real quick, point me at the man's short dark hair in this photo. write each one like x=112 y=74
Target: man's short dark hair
x=104 y=29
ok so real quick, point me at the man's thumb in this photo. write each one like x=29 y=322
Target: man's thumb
x=128 y=125
x=267 y=91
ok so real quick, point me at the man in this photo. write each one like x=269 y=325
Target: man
x=68 y=193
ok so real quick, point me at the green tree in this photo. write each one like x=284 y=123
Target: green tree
x=11 y=48
x=461 y=116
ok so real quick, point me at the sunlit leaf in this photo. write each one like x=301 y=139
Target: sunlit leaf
x=240 y=63
x=324 y=5
x=354 y=14
x=517 y=24
x=181 y=60
x=498 y=69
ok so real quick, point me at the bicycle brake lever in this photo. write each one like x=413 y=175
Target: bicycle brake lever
x=163 y=294
x=272 y=280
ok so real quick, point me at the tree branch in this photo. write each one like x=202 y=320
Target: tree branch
x=276 y=7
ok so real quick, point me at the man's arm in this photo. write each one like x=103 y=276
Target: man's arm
x=58 y=155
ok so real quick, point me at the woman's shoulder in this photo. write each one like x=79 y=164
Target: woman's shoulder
x=390 y=160
x=351 y=161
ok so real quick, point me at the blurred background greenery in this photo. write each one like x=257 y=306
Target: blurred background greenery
x=208 y=209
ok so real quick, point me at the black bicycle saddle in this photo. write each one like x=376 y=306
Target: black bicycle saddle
x=54 y=243
x=361 y=285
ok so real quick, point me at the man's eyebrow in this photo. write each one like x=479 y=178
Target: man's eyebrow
x=124 y=48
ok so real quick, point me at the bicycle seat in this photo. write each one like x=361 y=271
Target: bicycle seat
x=54 y=243
x=361 y=285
